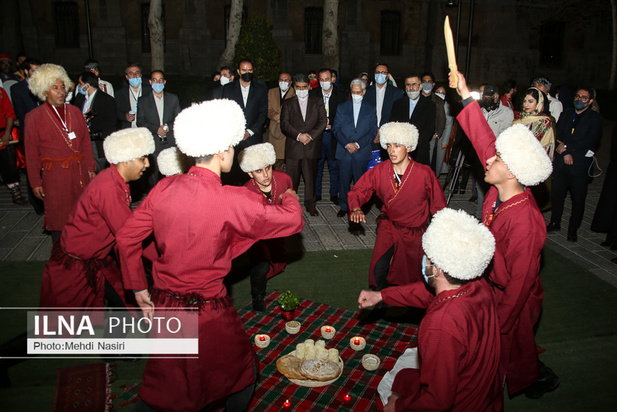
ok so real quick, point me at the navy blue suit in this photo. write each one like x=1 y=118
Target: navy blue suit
x=353 y=165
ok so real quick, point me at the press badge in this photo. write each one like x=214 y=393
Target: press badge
x=72 y=135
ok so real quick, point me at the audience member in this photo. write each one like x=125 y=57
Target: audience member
x=276 y=137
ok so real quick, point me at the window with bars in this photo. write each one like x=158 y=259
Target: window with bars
x=390 y=33
x=145 y=29
x=67 y=24
x=551 y=43
x=313 y=29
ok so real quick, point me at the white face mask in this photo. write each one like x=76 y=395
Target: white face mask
x=302 y=94
x=224 y=80
x=357 y=98
x=441 y=95
x=413 y=95
x=325 y=85
x=283 y=86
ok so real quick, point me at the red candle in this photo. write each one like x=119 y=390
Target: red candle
x=328 y=330
x=356 y=341
x=286 y=404
x=262 y=338
x=347 y=398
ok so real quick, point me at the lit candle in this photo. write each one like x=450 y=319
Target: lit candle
x=328 y=329
x=286 y=404
x=356 y=341
x=262 y=338
x=347 y=398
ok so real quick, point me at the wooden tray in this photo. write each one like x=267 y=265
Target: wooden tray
x=311 y=383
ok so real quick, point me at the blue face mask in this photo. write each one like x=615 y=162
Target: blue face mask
x=579 y=104
x=427 y=87
x=158 y=87
x=380 y=78
x=424 y=265
x=81 y=91
x=135 y=81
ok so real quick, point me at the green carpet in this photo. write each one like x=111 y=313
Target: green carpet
x=578 y=328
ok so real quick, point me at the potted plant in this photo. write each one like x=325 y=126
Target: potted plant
x=288 y=302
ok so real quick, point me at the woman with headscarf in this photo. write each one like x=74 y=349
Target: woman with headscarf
x=536 y=116
x=58 y=148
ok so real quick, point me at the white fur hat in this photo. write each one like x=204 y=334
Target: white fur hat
x=257 y=156
x=170 y=162
x=128 y=144
x=524 y=155
x=458 y=244
x=209 y=127
x=399 y=133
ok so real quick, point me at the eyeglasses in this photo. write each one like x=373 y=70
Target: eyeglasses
x=583 y=98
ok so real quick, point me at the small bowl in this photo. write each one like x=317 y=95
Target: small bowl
x=327 y=332
x=292 y=327
x=262 y=341
x=370 y=362
x=357 y=346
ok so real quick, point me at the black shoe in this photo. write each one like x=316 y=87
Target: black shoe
x=318 y=198
x=547 y=382
x=607 y=243
x=341 y=213
x=312 y=211
x=356 y=229
x=334 y=199
x=259 y=305
x=553 y=227
x=572 y=237
x=473 y=198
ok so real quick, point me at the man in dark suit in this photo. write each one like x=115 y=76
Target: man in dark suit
x=252 y=96
x=578 y=131
x=215 y=91
x=303 y=120
x=23 y=102
x=332 y=97
x=99 y=110
x=157 y=112
x=354 y=130
x=382 y=96
x=128 y=96
x=419 y=111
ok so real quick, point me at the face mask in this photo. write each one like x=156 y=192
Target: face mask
x=158 y=87
x=81 y=91
x=135 y=81
x=357 y=98
x=489 y=104
x=424 y=265
x=302 y=94
x=427 y=87
x=325 y=85
x=224 y=80
x=246 y=77
x=283 y=86
x=413 y=95
x=380 y=78
x=441 y=96
x=579 y=104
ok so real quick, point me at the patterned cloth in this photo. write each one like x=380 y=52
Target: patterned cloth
x=386 y=340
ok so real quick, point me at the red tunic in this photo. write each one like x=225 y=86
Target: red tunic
x=404 y=216
x=89 y=234
x=62 y=181
x=272 y=250
x=200 y=226
x=520 y=233
x=458 y=350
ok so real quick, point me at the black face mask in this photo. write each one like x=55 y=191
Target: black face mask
x=247 y=77
x=489 y=103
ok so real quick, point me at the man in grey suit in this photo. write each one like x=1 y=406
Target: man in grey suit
x=157 y=112
x=303 y=120
x=354 y=129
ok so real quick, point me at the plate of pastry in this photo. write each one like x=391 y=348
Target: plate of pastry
x=311 y=364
